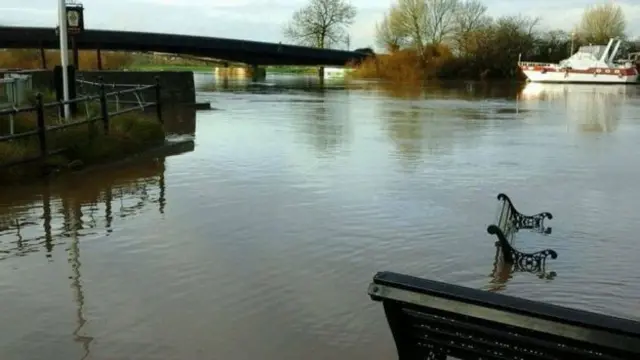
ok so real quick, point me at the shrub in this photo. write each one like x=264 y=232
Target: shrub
x=404 y=66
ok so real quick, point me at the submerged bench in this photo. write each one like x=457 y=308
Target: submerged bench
x=503 y=271
x=433 y=320
x=509 y=222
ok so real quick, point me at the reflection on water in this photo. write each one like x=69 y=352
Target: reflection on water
x=328 y=125
x=295 y=195
x=74 y=205
x=503 y=272
x=279 y=83
x=39 y=218
x=590 y=108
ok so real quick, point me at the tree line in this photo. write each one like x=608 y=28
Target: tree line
x=457 y=38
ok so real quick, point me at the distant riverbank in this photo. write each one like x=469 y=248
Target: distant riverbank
x=209 y=68
x=171 y=67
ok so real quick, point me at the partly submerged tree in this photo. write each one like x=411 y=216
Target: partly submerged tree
x=321 y=23
x=601 y=22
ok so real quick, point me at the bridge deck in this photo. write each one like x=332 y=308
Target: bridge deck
x=250 y=52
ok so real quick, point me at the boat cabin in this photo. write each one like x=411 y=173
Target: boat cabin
x=590 y=56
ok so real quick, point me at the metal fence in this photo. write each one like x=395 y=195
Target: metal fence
x=42 y=129
x=14 y=89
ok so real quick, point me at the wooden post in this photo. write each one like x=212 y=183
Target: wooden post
x=43 y=58
x=42 y=127
x=104 y=110
x=158 y=101
x=99 y=56
x=74 y=48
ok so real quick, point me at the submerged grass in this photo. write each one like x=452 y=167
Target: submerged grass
x=79 y=146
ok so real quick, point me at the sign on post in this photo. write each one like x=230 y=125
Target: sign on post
x=75 y=19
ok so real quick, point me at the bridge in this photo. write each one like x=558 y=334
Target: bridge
x=243 y=51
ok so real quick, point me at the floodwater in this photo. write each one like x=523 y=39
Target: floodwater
x=261 y=242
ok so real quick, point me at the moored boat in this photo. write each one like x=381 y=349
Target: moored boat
x=590 y=64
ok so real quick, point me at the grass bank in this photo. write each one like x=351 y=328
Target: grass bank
x=76 y=146
x=31 y=59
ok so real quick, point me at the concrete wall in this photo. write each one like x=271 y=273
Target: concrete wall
x=177 y=87
x=177 y=92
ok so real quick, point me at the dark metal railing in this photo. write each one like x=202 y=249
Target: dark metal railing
x=508 y=223
x=42 y=129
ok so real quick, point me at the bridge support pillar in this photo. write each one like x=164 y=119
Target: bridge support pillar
x=321 y=72
x=99 y=57
x=43 y=58
x=257 y=73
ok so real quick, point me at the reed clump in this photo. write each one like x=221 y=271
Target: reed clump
x=404 y=66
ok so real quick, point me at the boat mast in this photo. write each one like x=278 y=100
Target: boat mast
x=603 y=57
x=615 y=51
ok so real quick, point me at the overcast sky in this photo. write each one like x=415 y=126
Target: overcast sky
x=263 y=19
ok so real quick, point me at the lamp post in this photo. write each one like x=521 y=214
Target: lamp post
x=64 y=55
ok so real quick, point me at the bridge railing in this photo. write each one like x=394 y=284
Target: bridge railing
x=44 y=111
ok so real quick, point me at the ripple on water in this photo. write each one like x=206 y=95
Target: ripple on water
x=262 y=241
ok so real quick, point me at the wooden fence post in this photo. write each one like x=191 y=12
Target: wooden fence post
x=42 y=127
x=104 y=109
x=158 y=101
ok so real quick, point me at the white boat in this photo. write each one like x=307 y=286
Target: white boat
x=590 y=64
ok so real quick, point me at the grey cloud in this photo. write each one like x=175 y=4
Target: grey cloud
x=263 y=20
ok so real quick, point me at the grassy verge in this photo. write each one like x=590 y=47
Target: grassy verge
x=31 y=59
x=79 y=146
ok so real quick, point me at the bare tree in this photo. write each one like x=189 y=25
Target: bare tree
x=440 y=19
x=470 y=17
x=408 y=21
x=423 y=22
x=388 y=36
x=599 y=23
x=322 y=23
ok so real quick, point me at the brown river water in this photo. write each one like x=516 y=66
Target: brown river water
x=260 y=243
